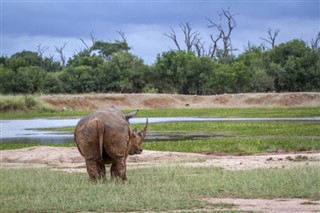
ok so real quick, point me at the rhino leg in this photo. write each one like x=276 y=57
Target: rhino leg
x=95 y=169
x=118 y=169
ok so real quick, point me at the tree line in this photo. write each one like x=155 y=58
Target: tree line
x=110 y=67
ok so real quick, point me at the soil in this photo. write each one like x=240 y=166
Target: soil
x=166 y=101
x=69 y=159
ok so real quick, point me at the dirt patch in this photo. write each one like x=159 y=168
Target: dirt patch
x=61 y=157
x=160 y=101
x=265 y=205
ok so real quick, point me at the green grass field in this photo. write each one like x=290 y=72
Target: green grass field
x=149 y=189
x=174 y=188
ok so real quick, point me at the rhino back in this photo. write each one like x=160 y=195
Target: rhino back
x=115 y=134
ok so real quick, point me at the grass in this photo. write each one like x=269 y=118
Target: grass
x=149 y=189
x=240 y=128
x=235 y=145
x=22 y=103
x=248 y=128
x=253 y=112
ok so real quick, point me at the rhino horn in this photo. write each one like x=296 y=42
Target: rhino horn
x=130 y=115
x=143 y=132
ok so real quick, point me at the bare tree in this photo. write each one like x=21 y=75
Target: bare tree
x=199 y=47
x=224 y=33
x=93 y=40
x=41 y=49
x=172 y=35
x=61 y=55
x=190 y=36
x=271 y=37
x=315 y=43
x=213 y=48
x=85 y=44
x=123 y=36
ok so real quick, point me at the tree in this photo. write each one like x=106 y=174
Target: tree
x=29 y=80
x=259 y=79
x=124 y=72
x=81 y=79
x=62 y=56
x=52 y=84
x=182 y=72
x=271 y=37
x=224 y=33
x=315 y=43
x=191 y=39
x=24 y=59
x=106 y=49
x=85 y=58
x=7 y=80
x=41 y=50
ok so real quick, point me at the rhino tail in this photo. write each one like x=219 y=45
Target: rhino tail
x=100 y=135
x=77 y=143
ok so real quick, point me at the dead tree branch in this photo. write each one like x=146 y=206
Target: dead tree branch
x=41 y=49
x=123 y=36
x=190 y=36
x=224 y=33
x=271 y=37
x=315 y=43
x=172 y=35
x=61 y=54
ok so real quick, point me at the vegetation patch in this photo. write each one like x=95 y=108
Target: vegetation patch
x=235 y=145
x=24 y=103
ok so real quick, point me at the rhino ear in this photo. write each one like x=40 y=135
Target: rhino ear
x=131 y=115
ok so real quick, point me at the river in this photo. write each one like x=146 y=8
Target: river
x=27 y=130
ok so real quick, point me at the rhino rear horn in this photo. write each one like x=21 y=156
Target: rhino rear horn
x=144 y=131
x=130 y=115
x=146 y=126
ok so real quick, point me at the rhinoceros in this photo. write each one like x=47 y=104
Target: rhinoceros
x=104 y=137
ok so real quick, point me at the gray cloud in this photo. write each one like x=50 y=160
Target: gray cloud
x=26 y=24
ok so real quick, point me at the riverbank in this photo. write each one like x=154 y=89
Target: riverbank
x=90 y=102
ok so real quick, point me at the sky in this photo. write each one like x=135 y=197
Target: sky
x=52 y=23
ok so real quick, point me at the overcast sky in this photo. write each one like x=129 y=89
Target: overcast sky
x=27 y=23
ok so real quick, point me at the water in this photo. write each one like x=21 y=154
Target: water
x=25 y=131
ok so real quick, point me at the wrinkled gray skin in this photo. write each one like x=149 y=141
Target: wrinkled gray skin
x=104 y=137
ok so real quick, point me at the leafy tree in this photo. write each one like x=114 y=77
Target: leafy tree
x=24 y=59
x=123 y=73
x=106 y=49
x=221 y=80
x=30 y=79
x=258 y=78
x=7 y=80
x=298 y=66
x=80 y=79
x=174 y=69
x=85 y=58
x=52 y=84
x=50 y=65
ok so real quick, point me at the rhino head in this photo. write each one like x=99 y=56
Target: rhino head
x=136 y=139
